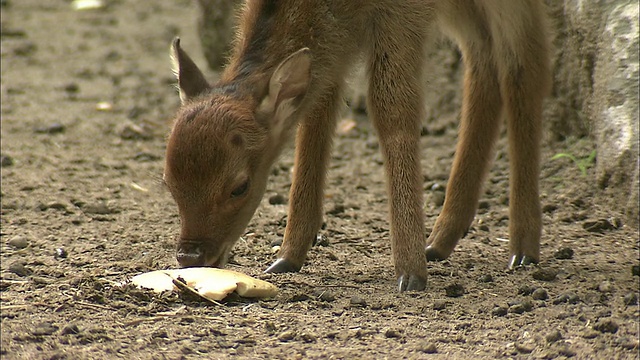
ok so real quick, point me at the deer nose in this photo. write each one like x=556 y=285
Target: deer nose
x=189 y=255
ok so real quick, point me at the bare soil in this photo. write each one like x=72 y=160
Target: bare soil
x=87 y=97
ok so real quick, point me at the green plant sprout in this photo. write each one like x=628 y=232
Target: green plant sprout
x=582 y=164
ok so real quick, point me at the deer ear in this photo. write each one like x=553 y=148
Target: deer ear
x=287 y=86
x=191 y=81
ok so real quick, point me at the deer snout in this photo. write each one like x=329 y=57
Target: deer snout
x=190 y=255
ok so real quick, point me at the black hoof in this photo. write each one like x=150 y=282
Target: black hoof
x=433 y=255
x=411 y=283
x=521 y=260
x=282 y=266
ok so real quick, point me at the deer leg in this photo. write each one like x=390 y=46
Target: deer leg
x=395 y=105
x=523 y=90
x=479 y=128
x=313 y=146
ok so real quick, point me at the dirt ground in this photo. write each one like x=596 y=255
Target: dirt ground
x=86 y=100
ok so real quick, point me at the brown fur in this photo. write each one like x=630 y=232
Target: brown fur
x=234 y=130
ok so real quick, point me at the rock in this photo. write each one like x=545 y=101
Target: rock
x=486 y=278
x=454 y=290
x=553 y=336
x=54 y=128
x=428 y=348
x=6 y=161
x=439 y=305
x=524 y=348
x=540 y=294
x=598 y=226
x=564 y=253
x=19 y=242
x=357 y=301
x=499 y=311
x=61 y=253
x=635 y=270
x=131 y=131
x=605 y=287
x=337 y=209
x=545 y=274
x=321 y=240
x=568 y=297
x=70 y=329
x=520 y=307
x=606 y=326
x=287 y=335
x=277 y=199
x=45 y=328
x=392 y=333
x=631 y=299
x=19 y=268
x=323 y=295
x=97 y=209
x=308 y=337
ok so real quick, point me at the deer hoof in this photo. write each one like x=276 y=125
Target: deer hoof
x=433 y=255
x=411 y=283
x=282 y=265
x=521 y=260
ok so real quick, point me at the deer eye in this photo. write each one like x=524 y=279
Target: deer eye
x=240 y=190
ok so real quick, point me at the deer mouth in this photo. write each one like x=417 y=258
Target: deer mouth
x=199 y=252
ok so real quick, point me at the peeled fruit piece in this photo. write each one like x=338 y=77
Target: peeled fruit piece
x=211 y=283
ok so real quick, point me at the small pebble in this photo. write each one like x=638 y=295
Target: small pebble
x=454 y=290
x=44 y=328
x=131 y=131
x=439 y=305
x=54 y=128
x=568 y=297
x=437 y=198
x=564 y=253
x=97 y=209
x=483 y=204
x=287 y=335
x=6 y=160
x=486 y=278
x=429 y=348
x=337 y=209
x=635 y=270
x=321 y=240
x=308 y=337
x=357 y=301
x=324 y=295
x=19 y=242
x=70 y=329
x=553 y=336
x=521 y=307
x=277 y=199
x=392 y=333
x=606 y=326
x=525 y=290
x=566 y=351
x=61 y=253
x=19 y=268
x=499 y=311
x=524 y=348
x=540 y=294
x=627 y=343
x=589 y=334
x=631 y=299
x=605 y=287
x=545 y=274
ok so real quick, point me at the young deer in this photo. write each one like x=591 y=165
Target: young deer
x=286 y=74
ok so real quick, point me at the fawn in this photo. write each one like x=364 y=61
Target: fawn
x=285 y=75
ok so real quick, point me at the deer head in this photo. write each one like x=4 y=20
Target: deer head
x=224 y=141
